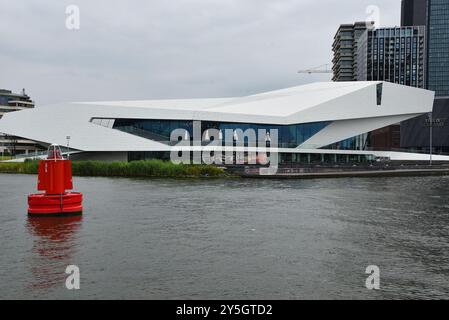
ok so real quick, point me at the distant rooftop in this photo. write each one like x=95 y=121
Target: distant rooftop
x=11 y=99
x=5 y=92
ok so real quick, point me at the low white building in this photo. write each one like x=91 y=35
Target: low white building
x=328 y=122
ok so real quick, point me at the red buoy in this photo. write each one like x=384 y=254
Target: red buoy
x=55 y=178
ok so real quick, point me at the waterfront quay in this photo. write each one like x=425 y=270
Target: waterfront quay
x=343 y=171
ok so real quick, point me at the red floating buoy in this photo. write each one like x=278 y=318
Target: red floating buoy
x=55 y=178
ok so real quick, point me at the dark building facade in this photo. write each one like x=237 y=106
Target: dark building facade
x=434 y=14
x=414 y=13
x=415 y=133
x=438 y=47
x=388 y=138
x=393 y=54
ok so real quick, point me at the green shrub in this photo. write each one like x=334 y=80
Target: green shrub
x=24 y=167
x=148 y=168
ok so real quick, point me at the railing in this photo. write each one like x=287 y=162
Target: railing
x=435 y=153
x=30 y=155
x=40 y=154
x=336 y=168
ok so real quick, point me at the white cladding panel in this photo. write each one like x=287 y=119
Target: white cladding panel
x=344 y=129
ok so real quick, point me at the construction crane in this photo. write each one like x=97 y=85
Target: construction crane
x=324 y=68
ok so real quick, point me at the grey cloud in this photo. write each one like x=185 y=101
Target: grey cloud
x=169 y=49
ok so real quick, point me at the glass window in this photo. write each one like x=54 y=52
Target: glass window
x=379 y=90
x=290 y=136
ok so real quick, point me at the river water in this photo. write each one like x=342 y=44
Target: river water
x=231 y=239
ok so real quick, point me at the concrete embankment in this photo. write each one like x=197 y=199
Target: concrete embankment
x=339 y=172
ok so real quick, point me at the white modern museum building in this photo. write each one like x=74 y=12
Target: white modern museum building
x=319 y=122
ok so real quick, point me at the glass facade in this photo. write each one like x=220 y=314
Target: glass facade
x=302 y=159
x=290 y=136
x=393 y=54
x=359 y=142
x=438 y=47
x=305 y=159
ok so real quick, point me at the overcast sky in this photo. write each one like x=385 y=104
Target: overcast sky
x=150 y=49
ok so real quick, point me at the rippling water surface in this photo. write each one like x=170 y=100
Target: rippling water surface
x=231 y=239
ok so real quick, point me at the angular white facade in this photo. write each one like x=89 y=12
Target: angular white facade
x=348 y=109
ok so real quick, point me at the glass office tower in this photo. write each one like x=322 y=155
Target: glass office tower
x=393 y=54
x=434 y=14
x=438 y=47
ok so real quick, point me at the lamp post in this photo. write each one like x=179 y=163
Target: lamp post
x=3 y=147
x=13 y=142
x=431 y=136
x=68 y=146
